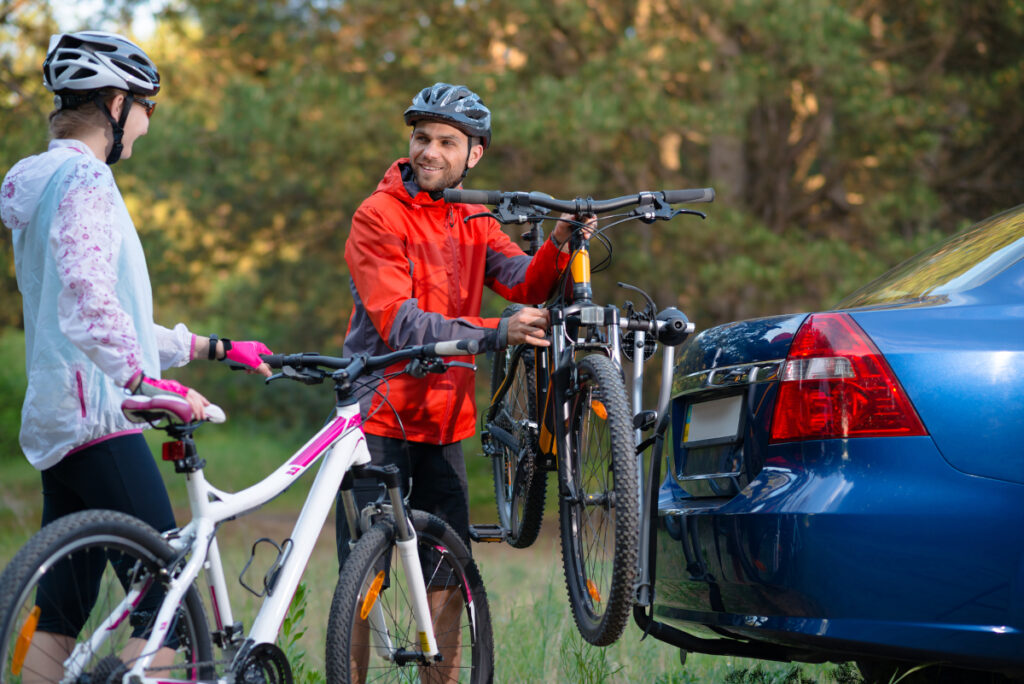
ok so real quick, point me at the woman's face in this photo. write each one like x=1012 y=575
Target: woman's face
x=136 y=126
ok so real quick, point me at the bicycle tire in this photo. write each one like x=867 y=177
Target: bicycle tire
x=99 y=540
x=520 y=482
x=347 y=633
x=599 y=508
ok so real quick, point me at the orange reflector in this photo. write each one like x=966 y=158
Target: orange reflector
x=598 y=408
x=592 y=590
x=28 y=630
x=371 y=595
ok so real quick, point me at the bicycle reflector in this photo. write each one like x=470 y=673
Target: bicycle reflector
x=173 y=451
x=371 y=595
x=836 y=384
x=25 y=634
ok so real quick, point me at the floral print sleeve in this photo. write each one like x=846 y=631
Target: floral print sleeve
x=85 y=244
x=8 y=214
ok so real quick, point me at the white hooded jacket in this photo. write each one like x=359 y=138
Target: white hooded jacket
x=86 y=298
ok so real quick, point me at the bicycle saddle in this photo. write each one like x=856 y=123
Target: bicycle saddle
x=175 y=410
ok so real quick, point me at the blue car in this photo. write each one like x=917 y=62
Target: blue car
x=849 y=484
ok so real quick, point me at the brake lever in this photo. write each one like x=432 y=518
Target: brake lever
x=307 y=376
x=693 y=212
x=459 y=364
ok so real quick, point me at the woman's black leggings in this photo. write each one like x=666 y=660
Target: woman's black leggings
x=116 y=474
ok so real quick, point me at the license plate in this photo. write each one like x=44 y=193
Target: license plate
x=716 y=420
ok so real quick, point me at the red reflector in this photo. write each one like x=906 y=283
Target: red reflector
x=174 y=451
x=837 y=384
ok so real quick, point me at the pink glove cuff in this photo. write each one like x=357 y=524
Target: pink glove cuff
x=247 y=353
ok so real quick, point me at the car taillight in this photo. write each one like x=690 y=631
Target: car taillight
x=835 y=383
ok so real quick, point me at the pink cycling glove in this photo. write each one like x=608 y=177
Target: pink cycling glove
x=151 y=387
x=247 y=353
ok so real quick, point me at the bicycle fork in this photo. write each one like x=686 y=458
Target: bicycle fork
x=408 y=558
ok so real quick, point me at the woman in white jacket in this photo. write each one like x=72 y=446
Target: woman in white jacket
x=89 y=330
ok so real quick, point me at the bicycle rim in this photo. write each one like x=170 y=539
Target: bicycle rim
x=519 y=482
x=64 y=592
x=599 y=511
x=372 y=585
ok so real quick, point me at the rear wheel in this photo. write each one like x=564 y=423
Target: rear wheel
x=372 y=590
x=62 y=593
x=519 y=479
x=599 y=509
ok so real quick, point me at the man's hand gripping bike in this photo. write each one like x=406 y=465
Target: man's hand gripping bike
x=565 y=408
x=135 y=597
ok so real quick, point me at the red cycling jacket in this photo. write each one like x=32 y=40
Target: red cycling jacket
x=417 y=272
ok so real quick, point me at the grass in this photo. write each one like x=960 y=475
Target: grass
x=534 y=634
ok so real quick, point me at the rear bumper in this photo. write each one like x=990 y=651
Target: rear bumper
x=872 y=546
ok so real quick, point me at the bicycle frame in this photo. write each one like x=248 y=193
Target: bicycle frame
x=553 y=378
x=340 y=445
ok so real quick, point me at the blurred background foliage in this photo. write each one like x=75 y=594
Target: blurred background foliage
x=841 y=136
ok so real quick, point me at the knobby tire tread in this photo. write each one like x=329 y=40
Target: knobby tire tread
x=18 y=579
x=604 y=627
x=363 y=559
x=529 y=484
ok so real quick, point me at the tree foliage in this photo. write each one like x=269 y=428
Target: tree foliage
x=841 y=135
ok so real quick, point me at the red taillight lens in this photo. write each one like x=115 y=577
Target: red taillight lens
x=835 y=383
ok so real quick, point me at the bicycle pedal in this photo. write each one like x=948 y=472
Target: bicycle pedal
x=487 y=533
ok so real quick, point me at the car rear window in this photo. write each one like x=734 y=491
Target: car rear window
x=959 y=263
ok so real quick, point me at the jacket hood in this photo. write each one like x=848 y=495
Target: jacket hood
x=398 y=181
x=25 y=182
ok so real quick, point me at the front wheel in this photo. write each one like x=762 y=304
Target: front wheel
x=520 y=480
x=371 y=632
x=63 y=613
x=599 y=508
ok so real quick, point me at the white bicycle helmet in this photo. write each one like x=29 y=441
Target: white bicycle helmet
x=79 y=65
x=89 y=60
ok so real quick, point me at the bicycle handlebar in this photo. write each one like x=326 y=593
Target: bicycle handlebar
x=372 y=363
x=579 y=205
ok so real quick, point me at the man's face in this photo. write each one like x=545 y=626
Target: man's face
x=438 y=154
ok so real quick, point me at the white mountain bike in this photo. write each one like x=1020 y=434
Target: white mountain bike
x=132 y=601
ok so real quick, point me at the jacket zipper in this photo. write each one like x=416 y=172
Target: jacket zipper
x=81 y=391
x=449 y=421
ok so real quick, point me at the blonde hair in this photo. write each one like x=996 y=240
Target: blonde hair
x=69 y=123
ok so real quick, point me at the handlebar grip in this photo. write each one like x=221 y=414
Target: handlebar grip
x=694 y=195
x=453 y=348
x=273 y=360
x=462 y=196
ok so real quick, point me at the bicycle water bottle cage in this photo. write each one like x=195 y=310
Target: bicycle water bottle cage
x=270 y=577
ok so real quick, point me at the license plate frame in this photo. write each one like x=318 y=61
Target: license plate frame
x=713 y=421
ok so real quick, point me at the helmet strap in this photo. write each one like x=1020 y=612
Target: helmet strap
x=117 y=126
x=465 y=168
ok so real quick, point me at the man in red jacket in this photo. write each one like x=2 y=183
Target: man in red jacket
x=418 y=271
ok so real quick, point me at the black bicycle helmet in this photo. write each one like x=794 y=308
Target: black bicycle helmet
x=455 y=105
x=79 y=65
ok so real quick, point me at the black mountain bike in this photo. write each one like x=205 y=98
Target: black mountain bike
x=565 y=408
